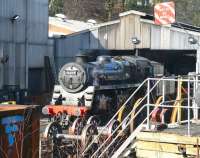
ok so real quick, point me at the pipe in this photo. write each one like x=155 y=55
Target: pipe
x=26 y=46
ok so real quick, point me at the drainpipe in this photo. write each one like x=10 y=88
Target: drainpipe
x=26 y=46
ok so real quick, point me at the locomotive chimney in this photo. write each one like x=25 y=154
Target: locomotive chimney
x=81 y=58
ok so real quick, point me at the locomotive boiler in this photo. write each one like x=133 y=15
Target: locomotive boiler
x=99 y=86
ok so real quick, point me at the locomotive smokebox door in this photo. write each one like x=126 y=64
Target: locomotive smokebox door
x=72 y=77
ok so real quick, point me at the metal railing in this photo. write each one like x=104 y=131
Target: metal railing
x=131 y=137
x=188 y=120
x=127 y=124
x=163 y=105
x=190 y=82
x=191 y=85
x=147 y=96
x=104 y=128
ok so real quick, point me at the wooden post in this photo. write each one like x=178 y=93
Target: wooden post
x=197 y=148
x=179 y=97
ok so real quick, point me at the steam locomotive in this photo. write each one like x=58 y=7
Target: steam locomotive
x=99 y=86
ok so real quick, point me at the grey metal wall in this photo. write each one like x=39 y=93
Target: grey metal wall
x=25 y=41
x=108 y=36
x=98 y=38
x=74 y=44
x=169 y=37
x=33 y=21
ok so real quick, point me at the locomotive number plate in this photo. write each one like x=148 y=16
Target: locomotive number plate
x=71 y=72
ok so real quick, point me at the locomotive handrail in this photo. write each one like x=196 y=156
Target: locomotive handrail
x=157 y=82
x=101 y=132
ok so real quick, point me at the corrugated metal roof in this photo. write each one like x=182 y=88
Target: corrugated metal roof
x=72 y=25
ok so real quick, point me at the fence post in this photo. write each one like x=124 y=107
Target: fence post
x=195 y=110
x=163 y=91
x=188 y=107
x=148 y=102
x=179 y=97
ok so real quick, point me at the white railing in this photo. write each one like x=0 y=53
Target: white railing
x=190 y=81
x=147 y=96
x=104 y=128
x=188 y=120
x=130 y=139
x=163 y=104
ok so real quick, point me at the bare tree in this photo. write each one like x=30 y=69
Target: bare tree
x=187 y=11
x=85 y=9
x=55 y=6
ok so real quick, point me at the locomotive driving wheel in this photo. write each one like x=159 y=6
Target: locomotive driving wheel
x=110 y=133
x=52 y=129
x=113 y=130
x=50 y=133
x=93 y=120
x=112 y=127
x=77 y=126
x=86 y=138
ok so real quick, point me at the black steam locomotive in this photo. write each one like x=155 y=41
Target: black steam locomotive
x=101 y=85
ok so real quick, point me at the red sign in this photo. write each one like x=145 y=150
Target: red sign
x=164 y=13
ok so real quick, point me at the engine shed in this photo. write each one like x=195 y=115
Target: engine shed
x=165 y=44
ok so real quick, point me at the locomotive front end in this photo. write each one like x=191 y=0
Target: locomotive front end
x=72 y=77
x=73 y=86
